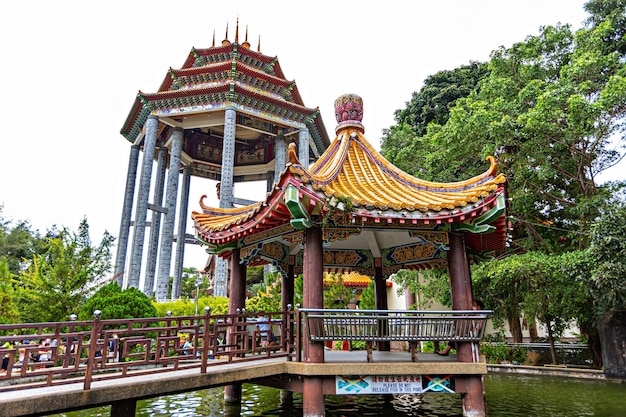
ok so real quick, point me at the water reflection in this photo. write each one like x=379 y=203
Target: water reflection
x=507 y=396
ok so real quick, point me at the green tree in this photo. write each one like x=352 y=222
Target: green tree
x=8 y=308
x=337 y=295
x=608 y=250
x=606 y=287
x=18 y=243
x=405 y=144
x=502 y=284
x=59 y=281
x=115 y=303
x=368 y=298
x=268 y=297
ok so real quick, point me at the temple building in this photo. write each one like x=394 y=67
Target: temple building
x=227 y=115
x=352 y=210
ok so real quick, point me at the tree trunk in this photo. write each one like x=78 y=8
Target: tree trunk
x=555 y=360
x=532 y=330
x=516 y=329
x=594 y=344
x=612 y=330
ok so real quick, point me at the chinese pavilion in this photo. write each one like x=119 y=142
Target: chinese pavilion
x=226 y=115
x=353 y=210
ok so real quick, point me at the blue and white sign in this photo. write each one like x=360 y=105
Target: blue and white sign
x=378 y=384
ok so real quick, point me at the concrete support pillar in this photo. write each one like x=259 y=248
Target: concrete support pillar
x=237 y=301
x=280 y=155
x=269 y=180
x=141 y=211
x=461 y=291
x=220 y=281
x=228 y=159
x=167 y=232
x=155 y=224
x=181 y=235
x=127 y=208
x=303 y=146
x=124 y=408
x=380 y=295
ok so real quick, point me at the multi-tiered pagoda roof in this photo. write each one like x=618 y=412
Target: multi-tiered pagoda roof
x=195 y=97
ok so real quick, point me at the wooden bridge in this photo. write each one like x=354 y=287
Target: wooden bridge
x=99 y=362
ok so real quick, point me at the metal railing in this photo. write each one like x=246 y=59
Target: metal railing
x=87 y=351
x=394 y=325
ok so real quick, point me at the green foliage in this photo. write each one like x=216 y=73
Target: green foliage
x=368 y=299
x=269 y=297
x=337 y=295
x=59 y=281
x=608 y=250
x=254 y=275
x=501 y=353
x=188 y=283
x=18 y=243
x=115 y=303
x=550 y=108
x=218 y=305
x=430 y=285
x=8 y=309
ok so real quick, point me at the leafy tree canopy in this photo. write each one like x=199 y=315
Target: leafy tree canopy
x=59 y=281
x=115 y=303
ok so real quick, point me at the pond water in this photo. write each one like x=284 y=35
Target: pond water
x=507 y=396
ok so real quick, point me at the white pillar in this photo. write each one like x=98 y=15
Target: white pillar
x=127 y=209
x=141 y=212
x=303 y=146
x=167 y=232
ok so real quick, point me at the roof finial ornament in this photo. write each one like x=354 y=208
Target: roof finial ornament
x=213 y=46
x=226 y=41
x=246 y=43
x=237 y=31
x=349 y=112
x=259 y=47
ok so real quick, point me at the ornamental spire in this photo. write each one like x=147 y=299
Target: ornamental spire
x=213 y=45
x=226 y=41
x=246 y=44
x=237 y=31
x=259 y=47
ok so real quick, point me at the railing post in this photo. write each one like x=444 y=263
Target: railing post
x=206 y=339
x=298 y=334
x=91 y=353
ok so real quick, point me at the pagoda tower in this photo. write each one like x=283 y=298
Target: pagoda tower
x=228 y=114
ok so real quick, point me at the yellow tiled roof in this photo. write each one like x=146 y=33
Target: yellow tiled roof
x=352 y=168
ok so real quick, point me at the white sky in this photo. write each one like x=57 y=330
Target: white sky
x=71 y=71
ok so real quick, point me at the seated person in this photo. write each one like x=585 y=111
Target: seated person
x=267 y=337
x=184 y=345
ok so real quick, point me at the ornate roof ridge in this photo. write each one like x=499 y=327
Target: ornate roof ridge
x=225 y=49
x=352 y=168
x=227 y=65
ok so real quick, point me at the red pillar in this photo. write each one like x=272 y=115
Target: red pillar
x=313 y=297
x=461 y=291
x=380 y=294
x=237 y=301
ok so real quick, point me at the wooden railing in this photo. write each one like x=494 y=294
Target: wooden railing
x=87 y=351
x=412 y=326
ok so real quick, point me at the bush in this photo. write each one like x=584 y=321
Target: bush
x=501 y=353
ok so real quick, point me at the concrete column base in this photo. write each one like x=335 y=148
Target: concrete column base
x=123 y=408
